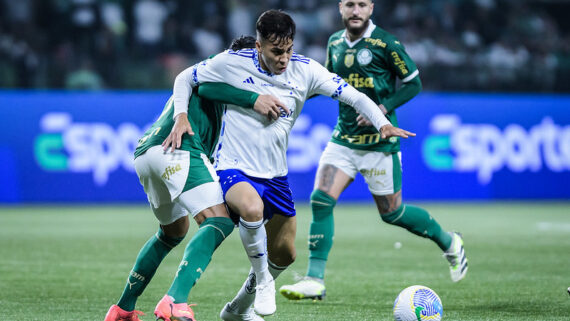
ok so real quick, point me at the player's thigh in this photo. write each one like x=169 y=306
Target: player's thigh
x=381 y=171
x=204 y=201
x=202 y=195
x=243 y=199
x=161 y=192
x=281 y=233
x=178 y=183
x=383 y=175
x=336 y=170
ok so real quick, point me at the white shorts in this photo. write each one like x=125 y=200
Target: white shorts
x=164 y=176
x=377 y=168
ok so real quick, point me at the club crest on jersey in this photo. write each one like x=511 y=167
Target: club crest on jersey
x=349 y=60
x=364 y=57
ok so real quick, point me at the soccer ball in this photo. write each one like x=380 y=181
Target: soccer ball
x=418 y=303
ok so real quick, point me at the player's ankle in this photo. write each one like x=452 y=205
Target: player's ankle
x=263 y=276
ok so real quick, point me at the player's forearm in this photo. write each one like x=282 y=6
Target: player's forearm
x=406 y=92
x=364 y=105
x=227 y=94
x=182 y=91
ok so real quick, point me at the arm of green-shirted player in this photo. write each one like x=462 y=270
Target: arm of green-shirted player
x=265 y=105
x=407 y=91
x=400 y=64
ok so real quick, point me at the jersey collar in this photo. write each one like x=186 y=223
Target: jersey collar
x=258 y=65
x=366 y=34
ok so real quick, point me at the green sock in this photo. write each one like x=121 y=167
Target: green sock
x=321 y=233
x=198 y=254
x=420 y=222
x=148 y=260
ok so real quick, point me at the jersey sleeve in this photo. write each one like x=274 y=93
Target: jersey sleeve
x=324 y=82
x=182 y=90
x=399 y=62
x=209 y=70
x=227 y=94
x=328 y=62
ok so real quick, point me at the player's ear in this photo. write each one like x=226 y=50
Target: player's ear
x=258 y=45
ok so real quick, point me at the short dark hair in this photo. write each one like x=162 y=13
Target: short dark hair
x=275 y=26
x=242 y=42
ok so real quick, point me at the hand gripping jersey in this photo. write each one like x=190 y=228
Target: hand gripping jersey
x=250 y=142
x=370 y=64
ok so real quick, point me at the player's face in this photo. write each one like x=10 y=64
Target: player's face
x=355 y=14
x=274 y=56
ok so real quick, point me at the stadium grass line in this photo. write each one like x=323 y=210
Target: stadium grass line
x=70 y=263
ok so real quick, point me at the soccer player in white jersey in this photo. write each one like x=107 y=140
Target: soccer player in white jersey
x=251 y=153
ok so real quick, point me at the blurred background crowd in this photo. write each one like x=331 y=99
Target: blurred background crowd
x=458 y=45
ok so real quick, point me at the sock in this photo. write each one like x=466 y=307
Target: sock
x=246 y=294
x=420 y=222
x=275 y=269
x=198 y=255
x=148 y=260
x=321 y=233
x=254 y=239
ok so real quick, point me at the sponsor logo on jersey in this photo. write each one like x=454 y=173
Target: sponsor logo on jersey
x=349 y=60
x=373 y=172
x=249 y=80
x=357 y=81
x=400 y=63
x=364 y=57
x=83 y=147
x=360 y=139
x=170 y=170
x=486 y=148
x=376 y=42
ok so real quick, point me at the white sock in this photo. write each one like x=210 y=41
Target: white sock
x=254 y=239
x=246 y=294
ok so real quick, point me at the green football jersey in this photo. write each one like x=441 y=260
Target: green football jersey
x=371 y=66
x=204 y=115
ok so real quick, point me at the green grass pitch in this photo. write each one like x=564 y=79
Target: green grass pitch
x=71 y=263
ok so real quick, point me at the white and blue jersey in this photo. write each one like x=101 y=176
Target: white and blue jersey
x=249 y=141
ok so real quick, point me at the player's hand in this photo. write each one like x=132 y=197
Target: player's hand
x=363 y=121
x=269 y=106
x=181 y=127
x=388 y=131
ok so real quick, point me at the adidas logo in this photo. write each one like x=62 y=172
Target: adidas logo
x=249 y=81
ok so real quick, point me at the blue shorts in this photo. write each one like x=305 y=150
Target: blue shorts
x=275 y=192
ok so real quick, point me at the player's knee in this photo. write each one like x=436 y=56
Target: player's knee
x=284 y=256
x=322 y=204
x=251 y=212
x=393 y=216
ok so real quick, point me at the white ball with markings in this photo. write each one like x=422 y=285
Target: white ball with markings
x=418 y=303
